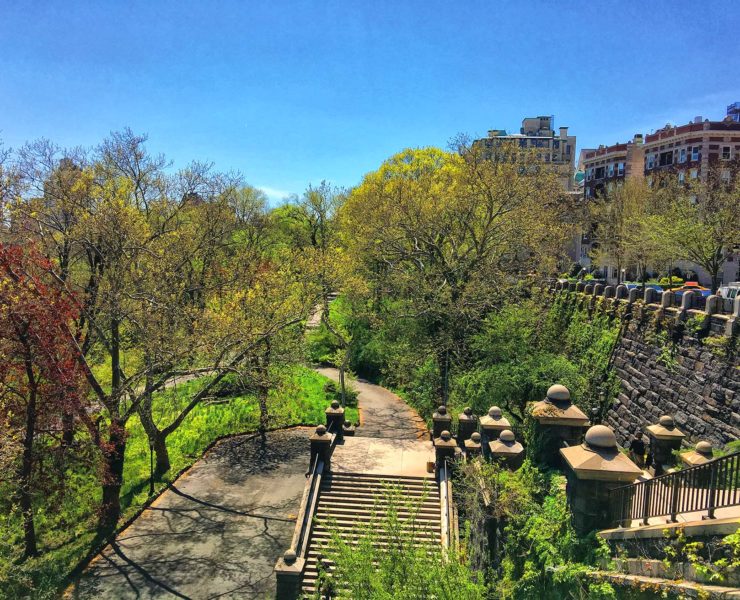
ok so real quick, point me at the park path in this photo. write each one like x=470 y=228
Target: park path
x=216 y=533
x=382 y=413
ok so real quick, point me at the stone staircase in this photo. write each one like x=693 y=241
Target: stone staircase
x=347 y=500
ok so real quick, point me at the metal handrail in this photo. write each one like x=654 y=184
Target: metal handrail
x=703 y=488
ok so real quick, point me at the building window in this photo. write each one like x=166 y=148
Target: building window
x=650 y=161
x=695 y=153
x=694 y=173
x=725 y=153
x=611 y=170
x=620 y=169
x=682 y=156
x=666 y=158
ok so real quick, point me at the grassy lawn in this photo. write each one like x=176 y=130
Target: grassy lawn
x=66 y=520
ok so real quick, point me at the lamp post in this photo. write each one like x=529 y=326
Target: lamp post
x=624 y=271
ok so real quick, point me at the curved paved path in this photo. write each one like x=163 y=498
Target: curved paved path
x=382 y=413
x=216 y=533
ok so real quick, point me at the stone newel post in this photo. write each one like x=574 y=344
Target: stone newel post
x=664 y=439
x=441 y=421
x=493 y=424
x=320 y=446
x=702 y=454
x=473 y=445
x=507 y=450
x=467 y=423
x=444 y=447
x=558 y=423
x=592 y=469
x=335 y=418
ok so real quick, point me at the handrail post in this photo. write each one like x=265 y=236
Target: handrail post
x=646 y=501
x=712 y=489
x=675 y=487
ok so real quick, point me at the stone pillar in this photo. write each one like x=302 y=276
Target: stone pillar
x=702 y=454
x=444 y=448
x=491 y=426
x=633 y=296
x=734 y=321
x=507 y=450
x=589 y=289
x=571 y=286
x=713 y=305
x=651 y=296
x=335 y=418
x=664 y=439
x=288 y=572
x=599 y=289
x=579 y=286
x=621 y=292
x=592 y=470
x=348 y=429
x=441 y=421
x=687 y=300
x=467 y=423
x=558 y=423
x=667 y=299
x=473 y=446
x=609 y=291
x=321 y=445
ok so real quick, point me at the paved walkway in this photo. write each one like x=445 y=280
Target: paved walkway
x=382 y=413
x=216 y=533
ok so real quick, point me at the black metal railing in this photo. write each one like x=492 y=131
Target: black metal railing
x=701 y=489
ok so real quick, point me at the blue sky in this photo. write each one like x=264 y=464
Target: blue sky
x=291 y=93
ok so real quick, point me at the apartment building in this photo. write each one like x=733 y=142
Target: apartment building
x=538 y=133
x=689 y=151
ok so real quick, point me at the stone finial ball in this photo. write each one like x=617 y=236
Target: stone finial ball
x=446 y=435
x=289 y=556
x=335 y=404
x=507 y=435
x=558 y=392
x=347 y=424
x=321 y=430
x=704 y=448
x=667 y=421
x=442 y=410
x=495 y=412
x=601 y=436
x=468 y=411
x=475 y=436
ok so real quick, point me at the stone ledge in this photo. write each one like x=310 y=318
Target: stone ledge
x=685 y=589
x=715 y=527
x=651 y=567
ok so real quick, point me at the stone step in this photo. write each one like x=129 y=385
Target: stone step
x=346 y=527
x=378 y=488
x=326 y=512
x=380 y=481
x=352 y=495
x=371 y=508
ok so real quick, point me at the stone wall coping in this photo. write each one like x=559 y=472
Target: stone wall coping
x=488 y=422
x=554 y=414
x=718 y=527
x=501 y=449
x=600 y=465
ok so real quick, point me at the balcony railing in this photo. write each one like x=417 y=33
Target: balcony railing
x=702 y=489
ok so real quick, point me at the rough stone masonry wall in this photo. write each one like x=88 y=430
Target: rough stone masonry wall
x=698 y=387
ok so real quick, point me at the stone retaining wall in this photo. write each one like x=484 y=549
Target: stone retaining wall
x=678 y=373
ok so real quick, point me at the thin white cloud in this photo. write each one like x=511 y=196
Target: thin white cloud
x=274 y=194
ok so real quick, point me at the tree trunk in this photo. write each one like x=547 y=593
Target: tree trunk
x=113 y=456
x=157 y=438
x=26 y=500
x=342 y=378
x=443 y=365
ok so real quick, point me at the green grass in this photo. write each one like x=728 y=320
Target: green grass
x=66 y=521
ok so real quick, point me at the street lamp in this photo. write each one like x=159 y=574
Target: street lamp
x=623 y=276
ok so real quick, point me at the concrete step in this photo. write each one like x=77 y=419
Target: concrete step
x=380 y=489
x=370 y=499
x=349 y=524
x=327 y=511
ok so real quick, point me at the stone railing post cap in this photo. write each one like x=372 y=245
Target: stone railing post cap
x=335 y=404
x=290 y=556
x=704 y=447
x=507 y=435
x=321 y=430
x=495 y=412
x=442 y=410
x=446 y=435
x=667 y=421
x=475 y=437
x=468 y=411
x=558 y=392
x=601 y=436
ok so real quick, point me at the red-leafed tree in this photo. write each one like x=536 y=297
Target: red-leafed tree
x=40 y=376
